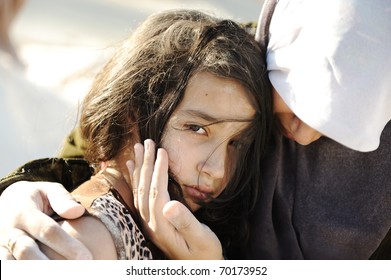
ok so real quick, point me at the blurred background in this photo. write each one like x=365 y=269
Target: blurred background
x=51 y=50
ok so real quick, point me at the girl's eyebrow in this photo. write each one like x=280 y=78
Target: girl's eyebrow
x=211 y=119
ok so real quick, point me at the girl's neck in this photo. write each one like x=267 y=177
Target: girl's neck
x=118 y=172
x=118 y=182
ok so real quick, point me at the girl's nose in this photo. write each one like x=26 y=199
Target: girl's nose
x=214 y=163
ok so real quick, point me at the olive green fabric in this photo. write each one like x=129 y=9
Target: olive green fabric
x=250 y=27
x=73 y=145
x=69 y=172
x=69 y=169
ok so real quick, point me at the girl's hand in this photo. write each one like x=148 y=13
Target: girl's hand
x=169 y=224
x=24 y=210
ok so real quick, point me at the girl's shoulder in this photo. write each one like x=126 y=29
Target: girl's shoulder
x=125 y=230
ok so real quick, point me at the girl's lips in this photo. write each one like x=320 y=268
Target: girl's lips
x=196 y=192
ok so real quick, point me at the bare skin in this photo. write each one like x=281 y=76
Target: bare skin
x=291 y=126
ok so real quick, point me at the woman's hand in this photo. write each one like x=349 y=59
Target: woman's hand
x=169 y=224
x=24 y=210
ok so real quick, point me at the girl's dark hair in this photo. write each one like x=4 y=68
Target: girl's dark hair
x=143 y=83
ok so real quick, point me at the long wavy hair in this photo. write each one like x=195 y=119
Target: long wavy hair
x=145 y=80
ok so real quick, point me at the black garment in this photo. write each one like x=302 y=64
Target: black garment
x=323 y=201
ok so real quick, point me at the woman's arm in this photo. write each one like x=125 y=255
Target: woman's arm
x=24 y=217
x=92 y=233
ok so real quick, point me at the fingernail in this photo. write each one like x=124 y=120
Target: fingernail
x=146 y=144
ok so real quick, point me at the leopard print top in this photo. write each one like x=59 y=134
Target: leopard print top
x=129 y=241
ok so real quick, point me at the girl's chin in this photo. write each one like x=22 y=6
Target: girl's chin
x=194 y=207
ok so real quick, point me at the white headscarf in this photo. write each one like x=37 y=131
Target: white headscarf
x=330 y=60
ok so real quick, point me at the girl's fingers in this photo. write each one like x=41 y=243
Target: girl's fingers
x=131 y=170
x=158 y=194
x=147 y=161
x=170 y=225
x=138 y=163
x=198 y=241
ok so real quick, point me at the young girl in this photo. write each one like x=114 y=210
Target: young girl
x=194 y=85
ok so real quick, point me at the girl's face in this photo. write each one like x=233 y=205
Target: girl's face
x=291 y=126
x=200 y=136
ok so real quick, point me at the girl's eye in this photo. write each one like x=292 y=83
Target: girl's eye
x=196 y=128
